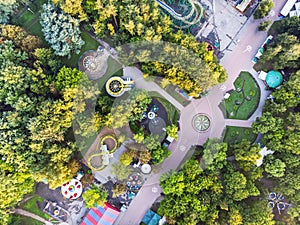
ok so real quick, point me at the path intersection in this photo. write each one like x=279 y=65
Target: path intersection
x=234 y=61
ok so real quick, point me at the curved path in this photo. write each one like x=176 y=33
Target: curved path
x=31 y=215
x=184 y=19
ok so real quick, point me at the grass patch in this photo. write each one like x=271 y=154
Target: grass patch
x=170 y=89
x=113 y=69
x=24 y=220
x=112 y=66
x=31 y=206
x=173 y=113
x=27 y=18
x=90 y=44
x=244 y=100
x=233 y=134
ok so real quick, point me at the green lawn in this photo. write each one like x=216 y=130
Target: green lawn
x=31 y=206
x=173 y=113
x=27 y=18
x=244 y=100
x=233 y=134
x=90 y=44
x=24 y=220
x=170 y=89
x=113 y=69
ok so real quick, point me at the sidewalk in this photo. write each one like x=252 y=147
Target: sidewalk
x=140 y=82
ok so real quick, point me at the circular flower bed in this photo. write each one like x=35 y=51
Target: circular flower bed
x=95 y=161
x=111 y=143
x=201 y=122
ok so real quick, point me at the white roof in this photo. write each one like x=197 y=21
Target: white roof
x=293 y=13
x=243 y=5
x=226 y=96
x=297 y=6
x=287 y=7
x=264 y=151
x=258 y=54
x=262 y=75
x=146 y=168
x=170 y=139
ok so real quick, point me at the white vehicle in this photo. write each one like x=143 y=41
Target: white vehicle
x=287 y=7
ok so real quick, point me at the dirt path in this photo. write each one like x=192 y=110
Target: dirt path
x=26 y=199
x=33 y=216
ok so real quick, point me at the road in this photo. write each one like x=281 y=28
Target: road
x=234 y=61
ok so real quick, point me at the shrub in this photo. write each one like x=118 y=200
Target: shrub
x=264 y=25
x=263 y=9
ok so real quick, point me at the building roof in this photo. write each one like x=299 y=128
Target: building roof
x=151 y=218
x=243 y=5
x=263 y=152
x=262 y=75
x=293 y=13
x=101 y=216
x=274 y=78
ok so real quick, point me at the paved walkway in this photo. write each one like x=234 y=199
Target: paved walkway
x=238 y=123
x=239 y=59
x=33 y=216
x=140 y=82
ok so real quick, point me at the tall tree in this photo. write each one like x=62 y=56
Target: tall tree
x=263 y=9
x=246 y=154
x=129 y=109
x=96 y=196
x=61 y=31
x=283 y=52
x=214 y=154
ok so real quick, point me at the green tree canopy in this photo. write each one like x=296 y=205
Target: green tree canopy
x=263 y=9
x=61 y=31
x=96 y=196
x=214 y=154
x=246 y=154
x=283 y=52
x=274 y=167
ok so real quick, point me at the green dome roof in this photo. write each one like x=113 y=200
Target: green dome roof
x=274 y=79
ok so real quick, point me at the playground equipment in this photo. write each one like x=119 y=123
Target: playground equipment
x=93 y=63
x=277 y=200
x=116 y=86
x=185 y=22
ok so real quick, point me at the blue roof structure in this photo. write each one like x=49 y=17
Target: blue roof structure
x=151 y=218
x=274 y=79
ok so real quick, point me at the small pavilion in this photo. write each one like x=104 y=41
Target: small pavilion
x=274 y=79
x=151 y=218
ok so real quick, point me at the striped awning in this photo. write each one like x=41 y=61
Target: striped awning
x=101 y=216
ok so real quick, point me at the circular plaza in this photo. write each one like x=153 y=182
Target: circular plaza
x=94 y=63
x=201 y=122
